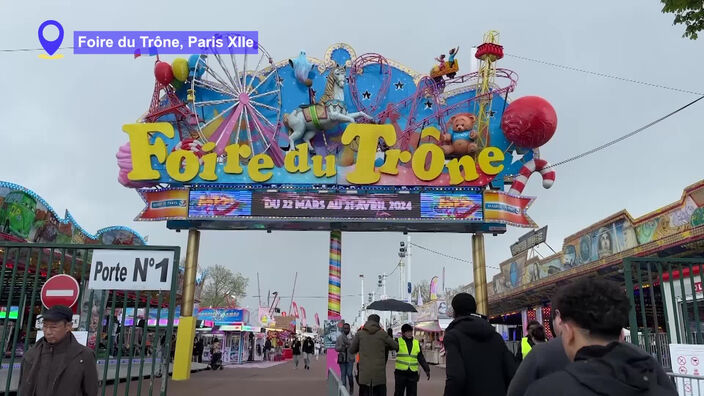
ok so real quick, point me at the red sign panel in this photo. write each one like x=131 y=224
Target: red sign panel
x=60 y=290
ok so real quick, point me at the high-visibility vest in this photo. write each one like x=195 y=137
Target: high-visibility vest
x=407 y=361
x=525 y=346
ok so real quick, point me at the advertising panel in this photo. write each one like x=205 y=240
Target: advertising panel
x=456 y=206
x=365 y=206
x=219 y=203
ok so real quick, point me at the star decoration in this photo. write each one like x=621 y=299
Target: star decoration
x=428 y=104
x=366 y=95
x=491 y=113
x=399 y=85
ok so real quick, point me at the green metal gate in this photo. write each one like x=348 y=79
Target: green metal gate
x=131 y=332
x=666 y=303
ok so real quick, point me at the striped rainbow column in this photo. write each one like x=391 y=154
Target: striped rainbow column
x=334 y=275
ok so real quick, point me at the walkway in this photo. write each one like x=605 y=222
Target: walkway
x=278 y=379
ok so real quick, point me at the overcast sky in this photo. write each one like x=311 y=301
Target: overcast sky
x=61 y=120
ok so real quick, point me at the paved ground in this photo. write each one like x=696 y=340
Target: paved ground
x=111 y=372
x=266 y=379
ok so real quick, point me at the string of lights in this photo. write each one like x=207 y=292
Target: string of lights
x=604 y=75
x=312 y=297
x=447 y=255
x=525 y=58
x=624 y=137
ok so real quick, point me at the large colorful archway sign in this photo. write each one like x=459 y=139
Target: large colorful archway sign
x=343 y=143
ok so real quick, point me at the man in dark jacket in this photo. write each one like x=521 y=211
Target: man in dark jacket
x=371 y=342
x=57 y=364
x=296 y=350
x=308 y=351
x=477 y=359
x=593 y=314
x=543 y=360
x=267 y=349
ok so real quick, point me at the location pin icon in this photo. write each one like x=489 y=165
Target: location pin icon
x=51 y=46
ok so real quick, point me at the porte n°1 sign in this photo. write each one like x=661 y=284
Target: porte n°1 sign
x=131 y=270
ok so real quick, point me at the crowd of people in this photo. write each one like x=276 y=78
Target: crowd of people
x=586 y=356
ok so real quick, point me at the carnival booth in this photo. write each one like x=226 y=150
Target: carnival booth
x=430 y=324
x=228 y=328
x=281 y=335
x=239 y=342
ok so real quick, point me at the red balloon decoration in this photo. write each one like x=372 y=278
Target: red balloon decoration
x=163 y=73
x=529 y=122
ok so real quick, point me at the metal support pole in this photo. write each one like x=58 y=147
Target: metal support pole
x=632 y=320
x=479 y=264
x=383 y=282
x=187 y=322
x=290 y=306
x=361 y=278
x=409 y=279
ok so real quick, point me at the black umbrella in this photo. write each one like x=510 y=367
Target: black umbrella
x=391 y=305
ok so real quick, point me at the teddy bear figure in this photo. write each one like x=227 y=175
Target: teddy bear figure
x=461 y=140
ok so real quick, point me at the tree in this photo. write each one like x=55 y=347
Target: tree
x=422 y=287
x=221 y=286
x=687 y=12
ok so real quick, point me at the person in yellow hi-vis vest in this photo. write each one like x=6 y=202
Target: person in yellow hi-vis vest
x=528 y=341
x=408 y=358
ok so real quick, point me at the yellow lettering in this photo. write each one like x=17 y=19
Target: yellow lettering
x=210 y=160
x=190 y=167
x=487 y=157
x=468 y=165
x=430 y=131
x=437 y=162
x=234 y=154
x=330 y=168
x=142 y=150
x=390 y=166
x=301 y=153
x=369 y=134
x=259 y=162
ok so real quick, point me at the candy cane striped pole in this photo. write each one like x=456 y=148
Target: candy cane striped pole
x=535 y=165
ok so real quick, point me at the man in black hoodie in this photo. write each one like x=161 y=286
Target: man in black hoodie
x=477 y=359
x=593 y=314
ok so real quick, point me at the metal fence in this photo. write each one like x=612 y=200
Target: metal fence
x=666 y=298
x=657 y=346
x=131 y=332
x=688 y=385
x=335 y=387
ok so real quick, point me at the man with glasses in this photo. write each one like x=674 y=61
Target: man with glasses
x=57 y=364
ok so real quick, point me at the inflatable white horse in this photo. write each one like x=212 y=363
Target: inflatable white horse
x=307 y=120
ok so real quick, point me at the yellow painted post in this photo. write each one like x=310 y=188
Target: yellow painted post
x=187 y=321
x=479 y=264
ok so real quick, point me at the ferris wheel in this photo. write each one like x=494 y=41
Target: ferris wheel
x=237 y=105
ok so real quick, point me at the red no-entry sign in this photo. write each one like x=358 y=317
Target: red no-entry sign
x=60 y=290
